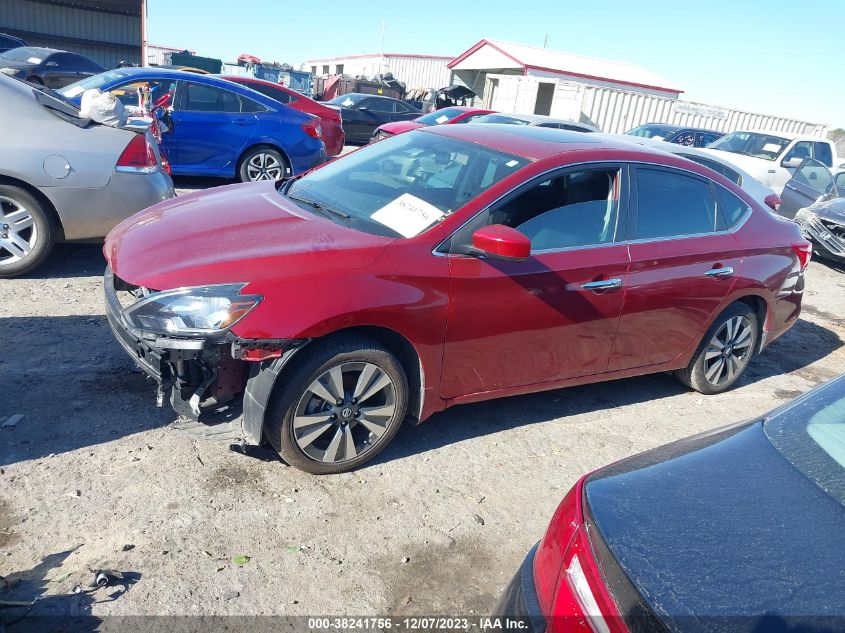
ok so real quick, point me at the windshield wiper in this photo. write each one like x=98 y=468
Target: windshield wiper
x=320 y=206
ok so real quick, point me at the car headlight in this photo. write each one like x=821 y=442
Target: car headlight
x=12 y=72
x=197 y=311
x=804 y=215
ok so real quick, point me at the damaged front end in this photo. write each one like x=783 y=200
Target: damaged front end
x=824 y=225
x=182 y=339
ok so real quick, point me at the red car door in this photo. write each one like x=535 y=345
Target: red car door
x=683 y=264
x=553 y=316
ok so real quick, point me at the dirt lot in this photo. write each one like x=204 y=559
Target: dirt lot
x=94 y=477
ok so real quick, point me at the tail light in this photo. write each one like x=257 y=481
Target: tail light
x=138 y=157
x=313 y=129
x=165 y=163
x=570 y=587
x=772 y=201
x=804 y=251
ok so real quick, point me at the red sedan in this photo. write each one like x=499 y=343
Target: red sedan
x=330 y=122
x=456 y=114
x=451 y=264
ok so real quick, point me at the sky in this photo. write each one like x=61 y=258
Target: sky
x=778 y=57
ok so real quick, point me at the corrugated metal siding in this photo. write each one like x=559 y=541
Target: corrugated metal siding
x=617 y=111
x=106 y=38
x=414 y=72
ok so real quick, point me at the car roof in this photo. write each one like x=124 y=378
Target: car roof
x=366 y=94
x=680 y=128
x=533 y=142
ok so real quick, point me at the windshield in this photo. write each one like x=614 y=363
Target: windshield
x=96 y=81
x=25 y=54
x=439 y=117
x=347 y=101
x=500 y=118
x=756 y=144
x=404 y=185
x=657 y=132
x=811 y=435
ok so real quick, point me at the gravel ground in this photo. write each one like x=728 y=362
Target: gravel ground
x=93 y=476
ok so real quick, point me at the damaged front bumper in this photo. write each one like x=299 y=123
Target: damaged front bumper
x=221 y=380
x=827 y=236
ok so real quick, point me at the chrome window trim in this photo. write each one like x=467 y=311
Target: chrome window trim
x=744 y=218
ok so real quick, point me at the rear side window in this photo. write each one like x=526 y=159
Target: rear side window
x=248 y=105
x=378 y=105
x=727 y=172
x=823 y=154
x=731 y=208
x=671 y=204
x=684 y=138
x=200 y=98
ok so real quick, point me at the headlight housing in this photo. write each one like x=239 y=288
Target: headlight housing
x=196 y=311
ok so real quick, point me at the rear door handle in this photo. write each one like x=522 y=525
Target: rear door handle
x=603 y=284
x=244 y=122
x=727 y=271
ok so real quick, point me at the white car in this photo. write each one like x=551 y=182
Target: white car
x=772 y=157
x=715 y=161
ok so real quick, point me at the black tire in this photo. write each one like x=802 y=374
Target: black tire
x=42 y=228
x=245 y=168
x=695 y=375
x=292 y=391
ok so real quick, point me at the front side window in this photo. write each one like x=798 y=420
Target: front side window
x=578 y=208
x=815 y=175
x=801 y=150
x=154 y=92
x=703 y=139
x=403 y=185
x=756 y=144
x=670 y=204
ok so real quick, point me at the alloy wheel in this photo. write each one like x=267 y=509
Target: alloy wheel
x=344 y=412
x=729 y=351
x=264 y=166
x=18 y=231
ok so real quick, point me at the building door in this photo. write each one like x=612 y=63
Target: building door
x=490 y=93
x=545 y=96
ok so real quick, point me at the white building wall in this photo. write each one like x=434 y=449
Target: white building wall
x=616 y=111
x=414 y=72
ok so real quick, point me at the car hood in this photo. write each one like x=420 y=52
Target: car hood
x=11 y=63
x=400 y=126
x=236 y=233
x=757 y=167
x=721 y=525
x=833 y=209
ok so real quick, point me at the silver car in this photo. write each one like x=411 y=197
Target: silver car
x=65 y=178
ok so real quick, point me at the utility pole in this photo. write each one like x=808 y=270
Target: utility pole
x=144 y=60
x=546 y=42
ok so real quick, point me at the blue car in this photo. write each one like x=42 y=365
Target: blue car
x=216 y=127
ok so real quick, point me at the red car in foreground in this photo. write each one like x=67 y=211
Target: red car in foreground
x=455 y=114
x=330 y=122
x=447 y=265
x=734 y=530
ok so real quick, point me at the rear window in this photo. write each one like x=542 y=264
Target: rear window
x=811 y=435
x=657 y=132
x=670 y=204
x=726 y=171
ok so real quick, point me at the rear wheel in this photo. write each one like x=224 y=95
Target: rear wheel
x=725 y=352
x=26 y=232
x=338 y=407
x=262 y=163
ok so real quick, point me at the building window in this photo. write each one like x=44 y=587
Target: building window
x=326 y=69
x=314 y=70
x=338 y=69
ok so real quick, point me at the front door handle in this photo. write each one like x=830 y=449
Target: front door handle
x=602 y=284
x=718 y=273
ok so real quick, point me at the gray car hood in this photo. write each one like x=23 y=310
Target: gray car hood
x=833 y=209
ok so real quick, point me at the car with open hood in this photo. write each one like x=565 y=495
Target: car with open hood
x=64 y=177
x=322 y=312
x=736 y=530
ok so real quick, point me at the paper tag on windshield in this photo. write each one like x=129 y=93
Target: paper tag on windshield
x=407 y=215
x=34 y=60
x=774 y=148
x=73 y=92
x=441 y=119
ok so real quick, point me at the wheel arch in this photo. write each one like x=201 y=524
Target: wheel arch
x=44 y=200
x=265 y=144
x=761 y=310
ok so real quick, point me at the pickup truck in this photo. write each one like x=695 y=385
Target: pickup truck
x=773 y=157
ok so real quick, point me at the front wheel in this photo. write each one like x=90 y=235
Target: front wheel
x=338 y=407
x=262 y=163
x=725 y=352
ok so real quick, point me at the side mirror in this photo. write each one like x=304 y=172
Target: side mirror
x=792 y=163
x=502 y=242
